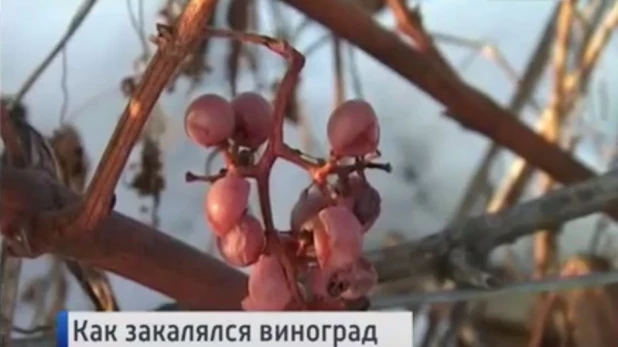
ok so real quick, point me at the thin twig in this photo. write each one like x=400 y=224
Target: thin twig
x=557 y=284
x=174 y=45
x=137 y=22
x=545 y=242
x=64 y=86
x=78 y=19
x=484 y=233
x=409 y=22
x=527 y=85
x=355 y=75
x=338 y=71
x=594 y=14
x=493 y=54
x=574 y=87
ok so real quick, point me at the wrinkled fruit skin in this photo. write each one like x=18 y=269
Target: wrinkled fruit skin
x=268 y=289
x=360 y=278
x=209 y=120
x=353 y=129
x=338 y=237
x=349 y=282
x=243 y=245
x=226 y=203
x=254 y=119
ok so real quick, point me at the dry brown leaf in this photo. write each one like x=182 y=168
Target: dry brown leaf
x=241 y=16
x=74 y=163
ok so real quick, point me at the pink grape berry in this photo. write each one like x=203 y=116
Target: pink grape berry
x=226 y=202
x=243 y=245
x=253 y=119
x=353 y=129
x=268 y=289
x=309 y=203
x=337 y=236
x=209 y=120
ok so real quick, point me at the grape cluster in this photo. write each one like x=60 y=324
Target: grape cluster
x=327 y=223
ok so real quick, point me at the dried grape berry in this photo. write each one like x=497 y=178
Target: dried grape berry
x=243 y=245
x=362 y=199
x=359 y=278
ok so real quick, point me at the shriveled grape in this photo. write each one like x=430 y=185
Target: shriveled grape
x=349 y=282
x=253 y=119
x=317 y=282
x=226 y=202
x=309 y=203
x=360 y=278
x=337 y=236
x=268 y=289
x=243 y=245
x=353 y=129
x=362 y=199
x=209 y=120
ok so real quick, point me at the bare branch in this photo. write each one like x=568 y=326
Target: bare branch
x=483 y=233
x=124 y=246
x=574 y=88
x=410 y=23
x=76 y=22
x=545 y=242
x=174 y=45
x=527 y=85
x=471 y=108
x=140 y=253
x=545 y=285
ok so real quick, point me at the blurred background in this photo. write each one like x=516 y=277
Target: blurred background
x=489 y=42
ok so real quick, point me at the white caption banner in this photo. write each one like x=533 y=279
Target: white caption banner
x=272 y=329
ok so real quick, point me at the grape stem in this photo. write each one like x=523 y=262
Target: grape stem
x=276 y=148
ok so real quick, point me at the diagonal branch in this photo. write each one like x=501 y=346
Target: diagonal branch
x=470 y=107
x=526 y=88
x=409 y=22
x=141 y=253
x=484 y=233
x=123 y=246
x=574 y=88
x=545 y=253
x=545 y=285
x=173 y=47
